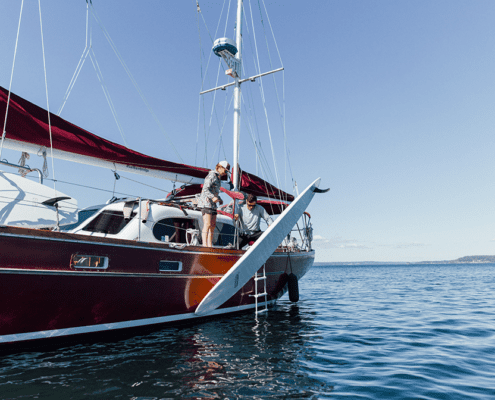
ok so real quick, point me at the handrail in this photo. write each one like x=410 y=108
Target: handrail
x=24 y=167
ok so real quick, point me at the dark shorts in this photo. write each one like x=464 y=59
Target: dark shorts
x=210 y=211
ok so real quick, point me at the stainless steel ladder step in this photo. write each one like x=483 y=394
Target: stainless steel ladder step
x=256 y=295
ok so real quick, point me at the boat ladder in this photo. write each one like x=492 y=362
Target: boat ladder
x=256 y=295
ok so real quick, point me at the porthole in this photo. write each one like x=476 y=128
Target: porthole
x=170 y=266
x=85 y=261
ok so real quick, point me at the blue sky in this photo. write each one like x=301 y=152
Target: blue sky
x=391 y=103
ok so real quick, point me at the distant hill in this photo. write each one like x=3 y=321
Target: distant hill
x=475 y=259
x=462 y=260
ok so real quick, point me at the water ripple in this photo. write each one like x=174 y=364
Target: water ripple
x=359 y=332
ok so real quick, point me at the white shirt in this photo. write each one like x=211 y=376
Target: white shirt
x=250 y=219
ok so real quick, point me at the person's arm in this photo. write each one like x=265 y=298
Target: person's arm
x=238 y=212
x=266 y=217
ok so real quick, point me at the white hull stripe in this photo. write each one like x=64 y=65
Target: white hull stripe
x=18 y=337
x=109 y=274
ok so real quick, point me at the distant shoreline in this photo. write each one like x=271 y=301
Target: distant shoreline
x=462 y=260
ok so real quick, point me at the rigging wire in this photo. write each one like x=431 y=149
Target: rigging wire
x=89 y=51
x=260 y=158
x=264 y=99
x=144 y=184
x=106 y=92
x=207 y=133
x=129 y=74
x=110 y=191
x=79 y=66
x=47 y=102
x=131 y=77
x=282 y=111
x=11 y=78
x=198 y=9
x=251 y=109
x=282 y=116
x=260 y=155
x=205 y=76
x=220 y=139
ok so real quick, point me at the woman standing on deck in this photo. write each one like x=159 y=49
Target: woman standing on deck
x=210 y=195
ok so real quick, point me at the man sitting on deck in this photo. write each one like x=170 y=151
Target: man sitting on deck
x=251 y=214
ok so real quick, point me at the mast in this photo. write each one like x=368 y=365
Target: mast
x=230 y=51
x=237 y=97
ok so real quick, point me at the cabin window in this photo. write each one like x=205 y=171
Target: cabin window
x=174 y=229
x=84 y=261
x=170 y=266
x=108 y=221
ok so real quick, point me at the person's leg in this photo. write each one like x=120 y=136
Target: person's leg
x=255 y=236
x=211 y=230
x=206 y=227
x=243 y=240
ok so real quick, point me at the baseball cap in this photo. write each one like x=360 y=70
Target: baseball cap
x=224 y=164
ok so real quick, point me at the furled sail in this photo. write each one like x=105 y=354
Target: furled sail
x=27 y=130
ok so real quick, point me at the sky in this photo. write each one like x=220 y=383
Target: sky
x=391 y=103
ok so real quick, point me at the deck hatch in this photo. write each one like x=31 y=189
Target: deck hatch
x=170 y=266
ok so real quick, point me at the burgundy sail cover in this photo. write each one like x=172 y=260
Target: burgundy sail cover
x=27 y=122
x=250 y=183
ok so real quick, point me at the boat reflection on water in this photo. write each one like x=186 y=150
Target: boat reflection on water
x=246 y=357
x=235 y=358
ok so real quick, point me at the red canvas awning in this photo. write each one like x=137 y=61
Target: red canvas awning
x=28 y=123
x=250 y=183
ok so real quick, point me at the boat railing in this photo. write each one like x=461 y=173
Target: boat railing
x=24 y=167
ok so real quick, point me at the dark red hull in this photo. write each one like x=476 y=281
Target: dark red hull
x=42 y=295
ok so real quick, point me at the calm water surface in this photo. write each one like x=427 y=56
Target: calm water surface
x=358 y=332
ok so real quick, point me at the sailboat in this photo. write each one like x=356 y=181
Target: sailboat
x=137 y=262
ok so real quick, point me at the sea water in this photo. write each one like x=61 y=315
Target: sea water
x=358 y=332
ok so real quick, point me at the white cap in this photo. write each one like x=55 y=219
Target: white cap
x=224 y=164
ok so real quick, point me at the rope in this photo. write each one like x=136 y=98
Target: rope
x=11 y=78
x=42 y=153
x=22 y=162
x=117 y=177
